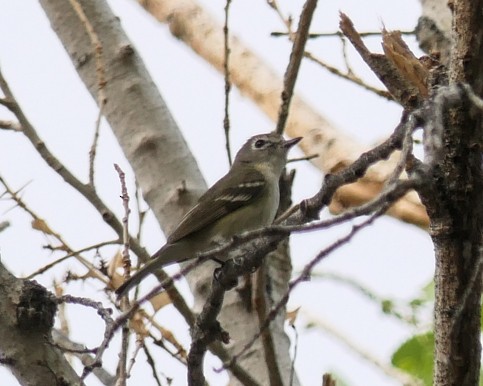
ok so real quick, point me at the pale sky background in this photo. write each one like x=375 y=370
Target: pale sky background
x=391 y=258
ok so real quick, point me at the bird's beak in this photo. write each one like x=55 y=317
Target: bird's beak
x=291 y=142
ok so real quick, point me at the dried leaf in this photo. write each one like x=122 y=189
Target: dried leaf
x=160 y=300
x=59 y=290
x=403 y=59
x=400 y=88
x=61 y=313
x=292 y=316
x=114 y=263
x=41 y=225
x=112 y=270
x=168 y=335
x=138 y=325
x=90 y=274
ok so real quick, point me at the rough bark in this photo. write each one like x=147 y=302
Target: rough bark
x=27 y=314
x=164 y=168
x=456 y=211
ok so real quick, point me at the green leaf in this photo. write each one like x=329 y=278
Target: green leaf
x=427 y=292
x=425 y=296
x=387 y=306
x=415 y=356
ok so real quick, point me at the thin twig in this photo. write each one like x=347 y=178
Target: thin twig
x=262 y=302
x=239 y=243
x=101 y=81
x=10 y=125
x=122 y=364
x=226 y=68
x=50 y=231
x=306 y=158
x=268 y=238
x=4 y=225
x=63 y=341
x=294 y=283
x=93 y=149
x=126 y=262
x=178 y=352
x=108 y=216
x=160 y=342
x=407 y=149
x=350 y=76
x=104 y=313
x=207 y=318
x=152 y=363
x=378 y=207
x=5 y=102
x=97 y=45
x=338 y=34
x=293 y=67
x=390 y=195
x=287 y=21
x=72 y=254
x=132 y=361
x=345 y=55
x=80 y=349
x=352 y=173
x=88 y=192
x=167 y=283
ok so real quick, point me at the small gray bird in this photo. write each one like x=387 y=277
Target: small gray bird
x=245 y=199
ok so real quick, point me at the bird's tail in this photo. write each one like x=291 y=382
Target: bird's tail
x=168 y=254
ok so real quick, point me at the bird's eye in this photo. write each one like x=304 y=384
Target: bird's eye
x=260 y=143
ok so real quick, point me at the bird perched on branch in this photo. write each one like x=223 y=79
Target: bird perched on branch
x=245 y=199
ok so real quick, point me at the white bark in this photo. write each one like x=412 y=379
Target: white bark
x=439 y=11
x=154 y=147
x=25 y=313
x=434 y=28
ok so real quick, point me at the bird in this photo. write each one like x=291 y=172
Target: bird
x=245 y=199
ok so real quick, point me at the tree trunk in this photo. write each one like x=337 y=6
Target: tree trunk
x=456 y=211
x=27 y=314
x=164 y=167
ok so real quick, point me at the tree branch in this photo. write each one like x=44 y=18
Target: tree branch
x=27 y=313
x=293 y=67
x=190 y=23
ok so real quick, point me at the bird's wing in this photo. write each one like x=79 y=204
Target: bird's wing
x=227 y=195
